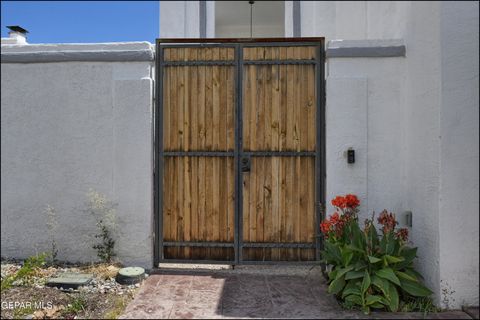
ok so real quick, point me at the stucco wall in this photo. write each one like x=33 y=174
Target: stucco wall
x=179 y=19
x=364 y=112
x=422 y=132
x=354 y=20
x=459 y=157
x=422 y=154
x=67 y=127
x=442 y=146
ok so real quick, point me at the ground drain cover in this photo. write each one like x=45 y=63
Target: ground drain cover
x=70 y=280
x=130 y=275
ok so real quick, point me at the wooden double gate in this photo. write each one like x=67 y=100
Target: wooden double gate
x=239 y=169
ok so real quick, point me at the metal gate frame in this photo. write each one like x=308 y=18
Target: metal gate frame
x=238 y=153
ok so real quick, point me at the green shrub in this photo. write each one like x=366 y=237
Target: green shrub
x=52 y=225
x=106 y=245
x=369 y=270
x=30 y=265
x=76 y=305
x=104 y=212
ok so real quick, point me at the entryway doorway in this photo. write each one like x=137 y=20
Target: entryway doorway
x=239 y=150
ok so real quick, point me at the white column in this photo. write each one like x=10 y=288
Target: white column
x=289 y=18
x=179 y=19
x=210 y=19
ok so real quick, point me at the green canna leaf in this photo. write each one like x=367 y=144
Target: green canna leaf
x=366 y=282
x=415 y=289
x=337 y=285
x=354 y=275
x=387 y=273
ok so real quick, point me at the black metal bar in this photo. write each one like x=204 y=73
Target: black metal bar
x=313 y=41
x=197 y=45
x=198 y=154
x=214 y=44
x=278 y=62
x=239 y=155
x=280 y=44
x=244 y=262
x=289 y=263
x=199 y=63
x=323 y=161
x=228 y=262
x=197 y=244
x=280 y=153
x=303 y=245
x=320 y=145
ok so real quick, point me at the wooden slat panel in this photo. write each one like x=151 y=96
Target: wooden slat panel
x=195 y=189
x=275 y=234
x=202 y=232
x=289 y=207
x=279 y=108
x=221 y=254
x=311 y=107
x=169 y=54
x=278 y=115
x=259 y=205
x=267 y=53
x=282 y=209
x=301 y=254
x=199 y=107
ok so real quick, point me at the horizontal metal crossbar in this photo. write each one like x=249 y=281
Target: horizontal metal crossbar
x=197 y=244
x=280 y=153
x=198 y=63
x=197 y=261
x=277 y=62
x=198 y=154
x=303 y=245
x=246 y=153
x=280 y=262
x=244 y=262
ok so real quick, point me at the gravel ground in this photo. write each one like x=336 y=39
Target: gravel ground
x=103 y=296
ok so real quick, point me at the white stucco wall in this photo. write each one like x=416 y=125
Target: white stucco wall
x=243 y=31
x=442 y=146
x=67 y=127
x=422 y=161
x=459 y=156
x=422 y=153
x=179 y=19
x=364 y=112
x=354 y=20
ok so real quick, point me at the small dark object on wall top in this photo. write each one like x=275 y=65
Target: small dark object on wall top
x=17 y=29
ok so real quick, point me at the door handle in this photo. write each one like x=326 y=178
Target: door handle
x=245 y=164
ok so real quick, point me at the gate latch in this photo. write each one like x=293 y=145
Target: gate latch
x=245 y=164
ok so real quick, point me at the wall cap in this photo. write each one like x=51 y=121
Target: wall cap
x=366 y=48
x=113 y=51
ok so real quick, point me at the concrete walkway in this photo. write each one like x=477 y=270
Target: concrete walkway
x=246 y=292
